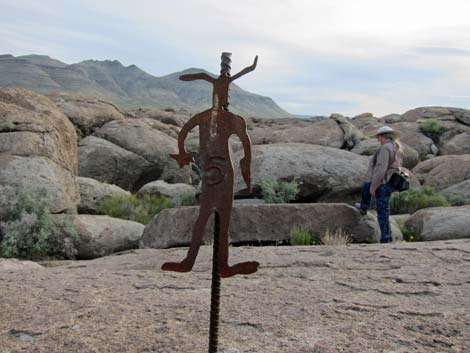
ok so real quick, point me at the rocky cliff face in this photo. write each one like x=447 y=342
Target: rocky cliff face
x=126 y=86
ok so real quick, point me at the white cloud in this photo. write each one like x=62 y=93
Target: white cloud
x=363 y=55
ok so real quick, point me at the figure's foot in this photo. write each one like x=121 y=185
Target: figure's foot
x=361 y=210
x=182 y=266
x=386 y=240
x=243 y=268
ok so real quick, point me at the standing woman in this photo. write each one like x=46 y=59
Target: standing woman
x=383 y=164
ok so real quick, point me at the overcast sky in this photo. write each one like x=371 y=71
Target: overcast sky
x=315 y=56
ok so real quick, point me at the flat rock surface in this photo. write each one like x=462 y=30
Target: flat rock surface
x=400 y=297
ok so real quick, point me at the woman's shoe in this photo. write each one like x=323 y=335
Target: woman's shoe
x=361 y=211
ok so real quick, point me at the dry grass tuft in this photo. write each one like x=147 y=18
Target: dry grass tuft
x=337 y=237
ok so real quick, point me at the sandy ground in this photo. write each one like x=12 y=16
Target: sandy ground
x=404 y=297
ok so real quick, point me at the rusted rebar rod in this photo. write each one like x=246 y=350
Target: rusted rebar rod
x=215 y=290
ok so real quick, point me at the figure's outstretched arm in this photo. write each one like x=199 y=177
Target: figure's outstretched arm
x=245 y=162
x=199 y=76
x=183 y=158
x=246 y=70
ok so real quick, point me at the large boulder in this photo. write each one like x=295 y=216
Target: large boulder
x=166 y=116
x=458 y=193
x=92 y=192
x=108 y=163
x=443 y=171
x=263 y=223
x=440 y=223
x=139 y=137
x=38 y=147
x=438 y=113
x=162 y=188
x=325 y=132
x=86 y=113
x=411 y=135
x=13 y=265
x=459 y=144
x=324 y=173
x=97 y=236
x=352 y=135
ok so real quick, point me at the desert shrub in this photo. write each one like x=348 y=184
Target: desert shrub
x=408 y=234
x=27 y=230
x=456 y=200
x=299 y=236
x=337 y=237
x=133 y=208
x=273 y=191
x=7 y=126
x=415 y=199
x=185 y=199
x=432 y=128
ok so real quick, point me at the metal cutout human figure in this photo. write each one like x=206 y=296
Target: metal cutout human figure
x=216 y=125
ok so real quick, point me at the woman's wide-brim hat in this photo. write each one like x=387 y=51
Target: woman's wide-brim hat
x=385 y=130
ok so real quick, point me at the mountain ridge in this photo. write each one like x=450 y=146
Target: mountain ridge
x=127 y=86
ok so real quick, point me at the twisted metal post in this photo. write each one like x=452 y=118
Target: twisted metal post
x=215 y=290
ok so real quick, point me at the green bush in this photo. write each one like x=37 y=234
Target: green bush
x=299 y=236
x=185 y=199
x=456 y=200
x=432 y=128
x=133 y=208
x=408 y=234
x=27 y=230
x=279 y=191
x=415 y=199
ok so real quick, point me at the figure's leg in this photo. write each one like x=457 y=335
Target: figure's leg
x=198 y=233
x=244 y=268
x=383 y=213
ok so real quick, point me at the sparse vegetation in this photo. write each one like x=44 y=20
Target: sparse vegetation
x=27 y=230
x=432 y=128
x=415 y=199
x=185 y=199
x=133 y=208
x=279 y=191
x=408 y=234
x=337 y=237
x=299 y=236
x=7 y=126
x=455 y=200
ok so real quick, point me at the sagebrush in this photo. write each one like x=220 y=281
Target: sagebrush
x=27 y=229
x=273 y=191
x=432 y=128
x=415 y=199
x=133 y=208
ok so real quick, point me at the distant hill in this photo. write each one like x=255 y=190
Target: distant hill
x=127 y=86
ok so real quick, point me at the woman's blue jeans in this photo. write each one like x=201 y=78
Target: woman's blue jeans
x=382 y=201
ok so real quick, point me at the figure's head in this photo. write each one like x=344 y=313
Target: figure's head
x=385 y=134
x=225 y=64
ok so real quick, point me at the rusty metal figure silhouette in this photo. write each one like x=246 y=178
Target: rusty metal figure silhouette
x=216 y=125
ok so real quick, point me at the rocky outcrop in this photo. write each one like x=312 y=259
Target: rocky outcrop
x=92 y=192
x=325 y=132
x=324 y=174
x=458 y=193
x=459 y=144
x=97 y=236
x=104 y=161
x=411 y=135
x=149 y=145
x=438 y=113
x=443 y=171
x=38 y=147
x=86 y=113
x=172 y=191
x=264 y=223
x=440 y=223
x=13 y=265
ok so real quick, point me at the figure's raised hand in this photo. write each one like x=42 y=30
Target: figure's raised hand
x=255 y=62
x=182 y=158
